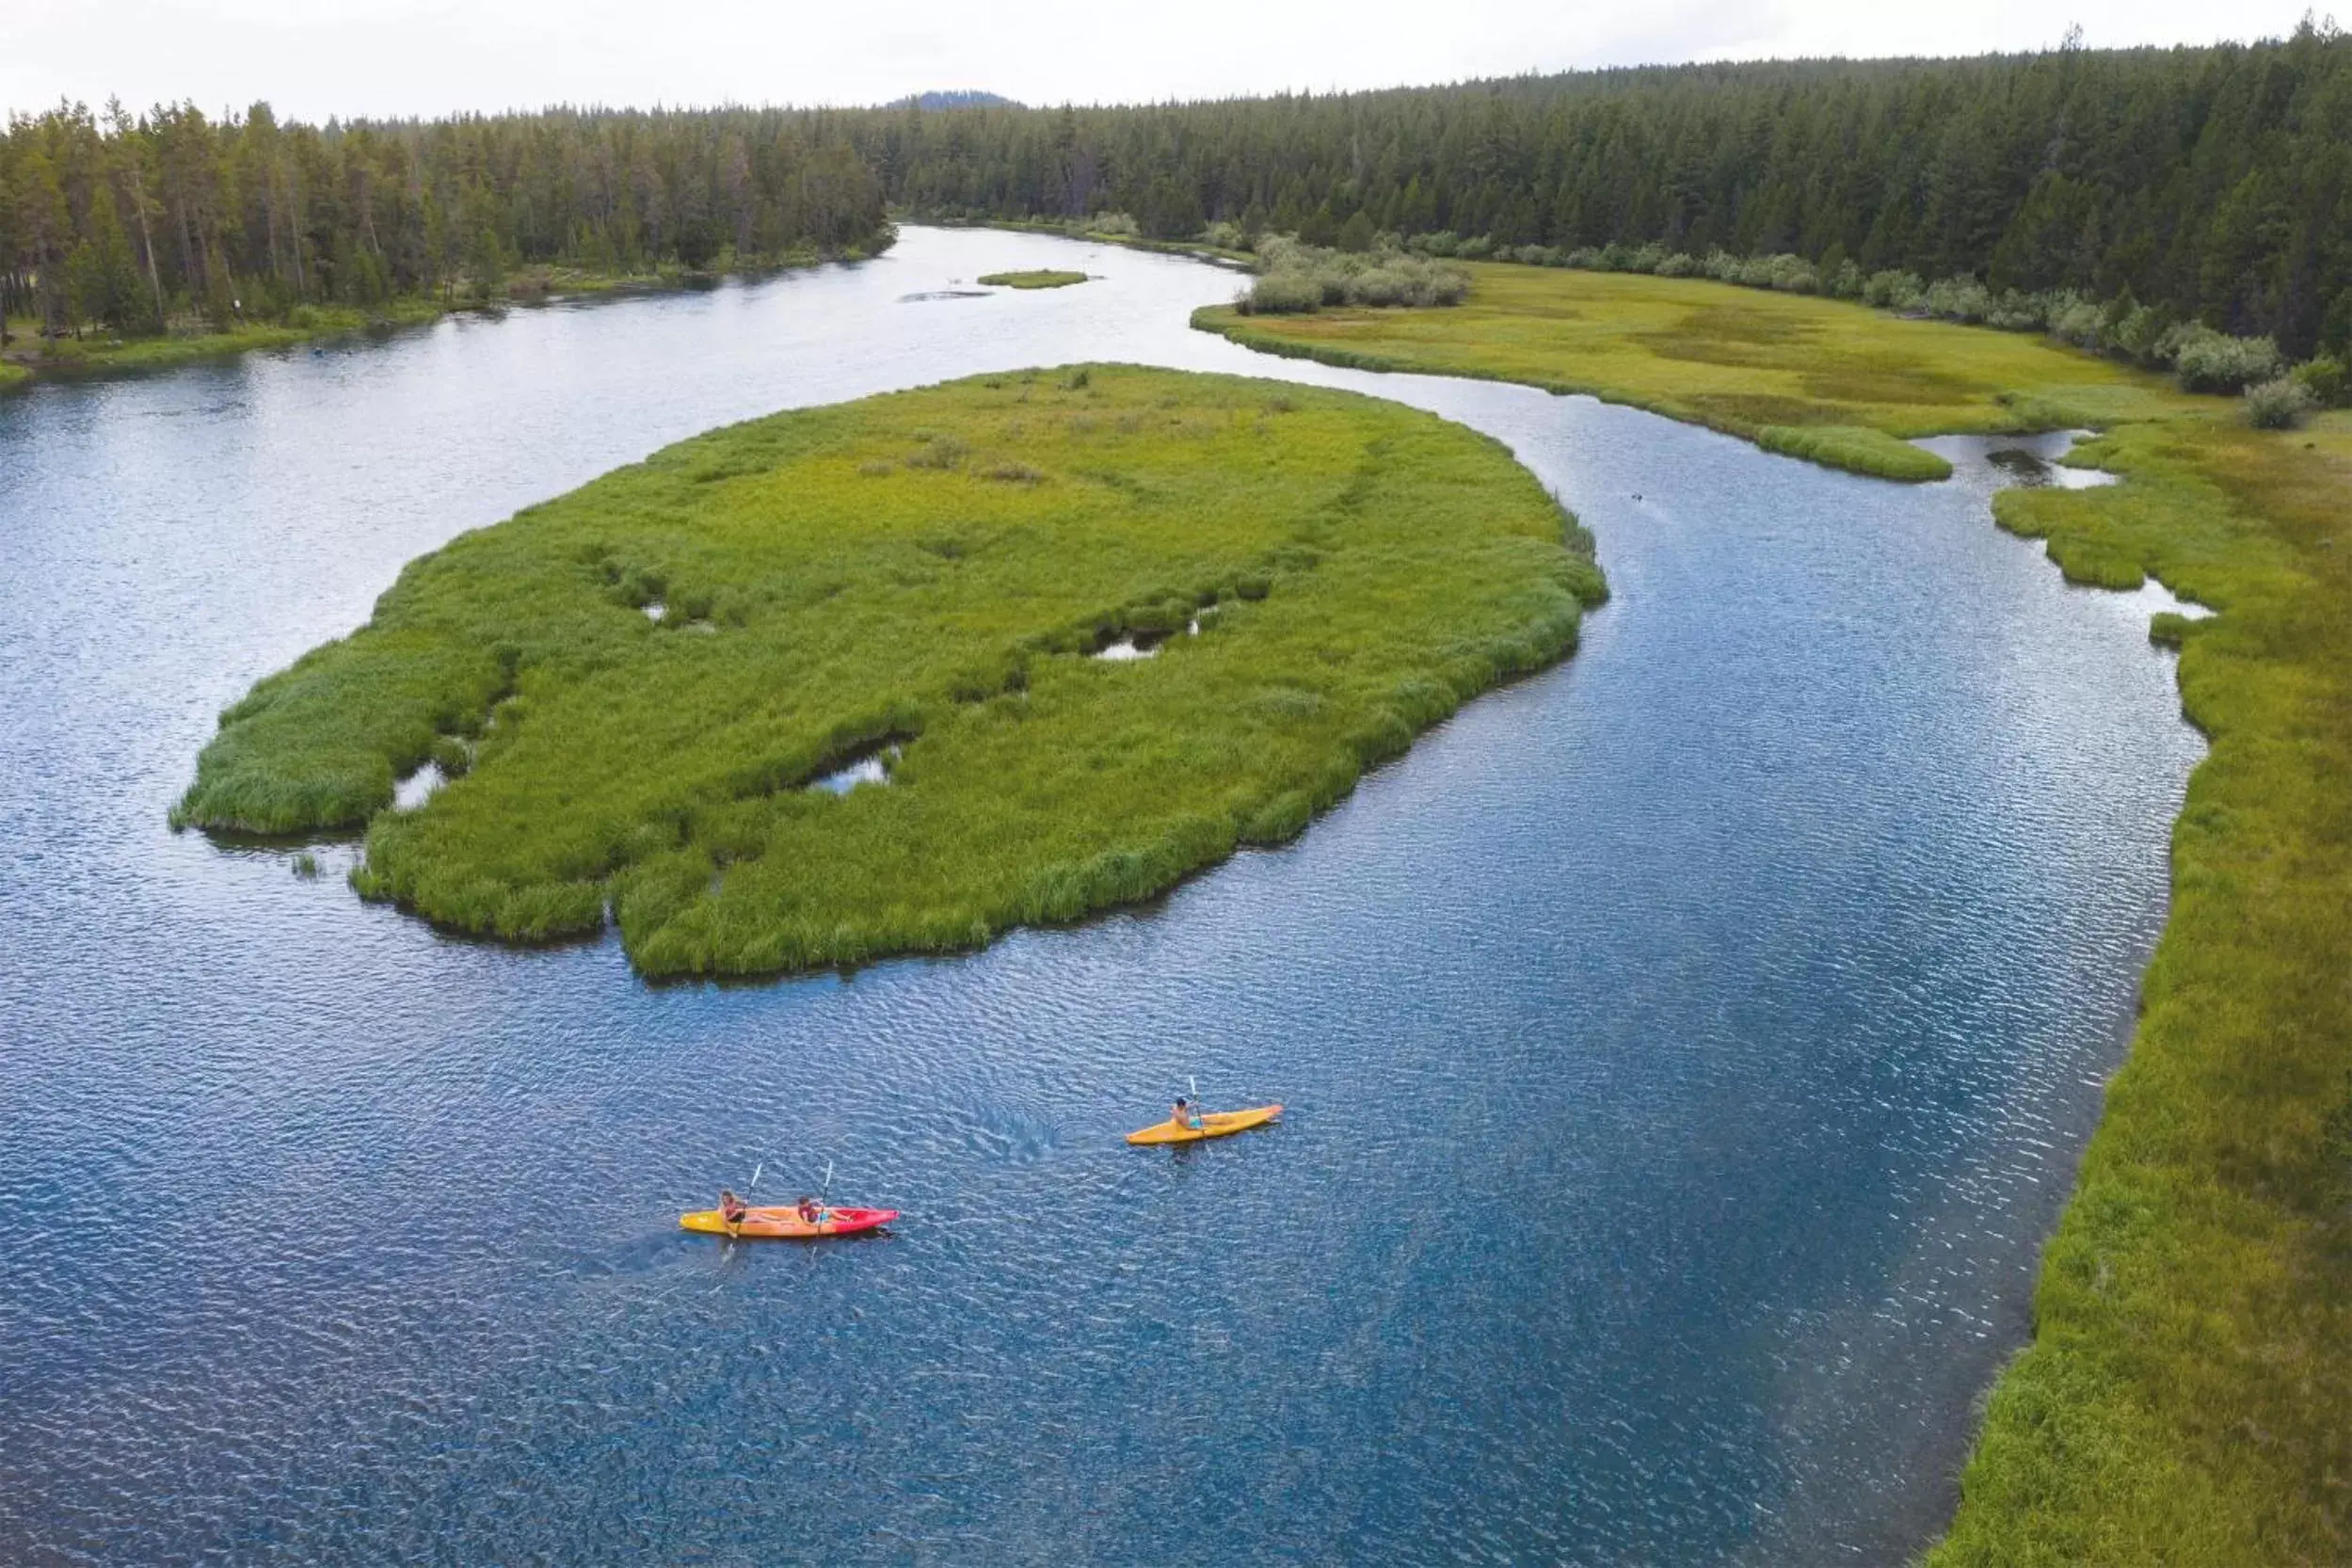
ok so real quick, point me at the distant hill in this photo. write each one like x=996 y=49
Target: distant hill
x=956 y=100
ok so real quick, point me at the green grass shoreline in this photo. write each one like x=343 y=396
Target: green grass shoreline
x=71 y=359
x=28 y=360
x=2183 y=1398
x=1331 y=574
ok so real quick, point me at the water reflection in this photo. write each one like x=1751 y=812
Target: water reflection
x=2032 y=461
x=417 y=788
x=871 y=767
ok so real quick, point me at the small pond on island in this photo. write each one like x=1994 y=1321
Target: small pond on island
x=1686 y=1049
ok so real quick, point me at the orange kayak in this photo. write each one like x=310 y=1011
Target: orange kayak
x=785 y=1221
x=1216 y=1124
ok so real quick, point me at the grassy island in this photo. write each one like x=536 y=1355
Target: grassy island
x=638 y=684
x=2183 y=1398
x=1037 y=277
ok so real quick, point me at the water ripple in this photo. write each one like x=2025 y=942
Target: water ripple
x=1685 y=1049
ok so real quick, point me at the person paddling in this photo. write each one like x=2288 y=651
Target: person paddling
x=731 y=1210
x=1185 y=1115
x=809 y=1213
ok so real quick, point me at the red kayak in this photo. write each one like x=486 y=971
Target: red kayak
x=785 y=1221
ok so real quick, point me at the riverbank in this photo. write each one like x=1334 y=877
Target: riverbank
x=2181 y=1397
x=1080 y=633
x=29 y=358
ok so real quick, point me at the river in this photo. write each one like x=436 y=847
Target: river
x=1686 y=1049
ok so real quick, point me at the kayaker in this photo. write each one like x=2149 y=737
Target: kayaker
x=809 y=1212
x=1185 y=1115
x=731 y=1207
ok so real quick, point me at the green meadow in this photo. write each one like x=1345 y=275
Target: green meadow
x=2183 y=1398
x=1036 y=278
x=921 y=581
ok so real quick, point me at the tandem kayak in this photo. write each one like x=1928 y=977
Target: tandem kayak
x=1216 y=1124
x=785 y=1221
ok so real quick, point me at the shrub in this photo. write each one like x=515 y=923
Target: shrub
x=1282 y=294
x=2015 y=311
x=2078 y=321
x=1301 y=278
x=2138 y=332
x=1961 y=299
x=1680 y=265
x=2280 y=403
x=1891 y=290
x=1118 y=224
x=2210 y=362
x=939 y=452
x=2326 y=380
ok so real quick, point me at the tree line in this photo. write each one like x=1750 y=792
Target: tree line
x=136 y=222
x=2209 y=186
x=2214 y=185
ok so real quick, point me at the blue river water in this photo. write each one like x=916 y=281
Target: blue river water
x=1687 y=1050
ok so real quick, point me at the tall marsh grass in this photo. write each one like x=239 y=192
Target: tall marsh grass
x=928 y=568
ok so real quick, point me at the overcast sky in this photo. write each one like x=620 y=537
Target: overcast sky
x=313 y=58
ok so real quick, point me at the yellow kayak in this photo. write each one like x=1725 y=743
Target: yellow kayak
x=1216 y=1124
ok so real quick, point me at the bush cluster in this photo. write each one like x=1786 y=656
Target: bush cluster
x=2207 y=360
x=1295 y=278
x=2280 y=403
